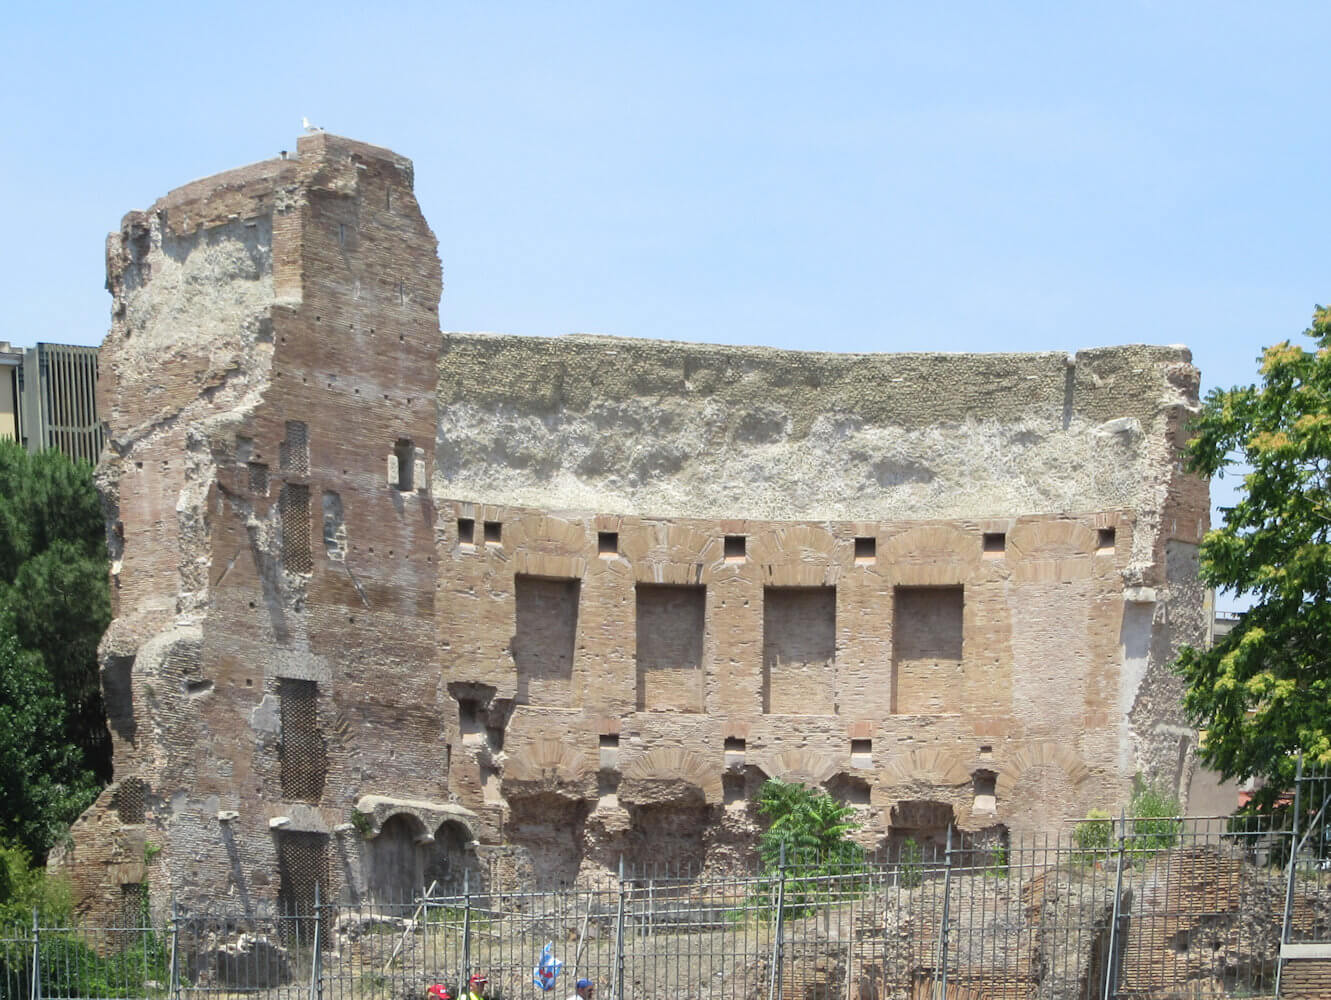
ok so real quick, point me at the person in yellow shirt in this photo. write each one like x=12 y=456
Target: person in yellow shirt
x=476 y=987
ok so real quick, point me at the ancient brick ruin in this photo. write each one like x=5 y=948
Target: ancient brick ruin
x=392 y=604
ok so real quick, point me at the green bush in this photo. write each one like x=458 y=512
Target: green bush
x=911 y=864
x=1095 y=833
x=811 y=831
x=812 y=827
x=24 y=888
x=1154 y=823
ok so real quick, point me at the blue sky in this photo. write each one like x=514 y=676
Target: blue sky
x=852 y=177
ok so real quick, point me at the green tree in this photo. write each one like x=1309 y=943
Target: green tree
x=44 y=784
x=1263 y=692
x=54 y=606
x=814 y=828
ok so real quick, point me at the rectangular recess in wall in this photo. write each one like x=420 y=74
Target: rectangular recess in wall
x=466 y=531
x=293 y=509
x=294 y=451
x=927 y=650
x=607 y=544
x=866 y=549
x=735 y=548
x=1105 y=541
x=861 y=753
x=734 y=748
x=404 y=455
x=494 y=532
x=609 y=751
x=544 y=636
x=670 y=625
x=258 y=478
x=303 y=755
x=302 y=864
x=995 y=544
x=799 y=650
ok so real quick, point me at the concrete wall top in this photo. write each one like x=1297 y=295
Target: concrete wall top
x=663 y=428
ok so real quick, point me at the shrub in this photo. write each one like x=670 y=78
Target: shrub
x=1095 y=833
x=1155 y=823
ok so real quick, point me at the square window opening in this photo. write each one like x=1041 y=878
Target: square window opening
x=607 y=544
x=866 y=549
x=995 y=544
x=466 y=531
x=735 y=548
x=1105 y=540
x=494 y=532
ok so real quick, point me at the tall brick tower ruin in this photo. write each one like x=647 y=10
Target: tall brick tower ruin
x=391 y=605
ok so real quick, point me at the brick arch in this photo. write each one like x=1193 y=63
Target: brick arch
x=932 y=543
x=1051 y=550
x=933 y=767
x=804 y=767
x=546 y=758
x=546 y=533
x=549 y=766
x=796 y=543
x=671 y=544
x=670 y=773
x=429 y=816
x=420 y=831
x=1062 y=539
x=544 y=545
x=1038 y=755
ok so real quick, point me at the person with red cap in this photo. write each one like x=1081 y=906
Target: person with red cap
x=476 y=987
x=439 y=991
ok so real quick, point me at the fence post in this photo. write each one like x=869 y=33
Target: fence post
x=36 y=985
x=1111 y=958
x=778 y=945
x=1289 y=877
x=314 y=962
x=174 y=973
x=619 y=936
x=425 y=931
x=942 y=931
x=465 y=976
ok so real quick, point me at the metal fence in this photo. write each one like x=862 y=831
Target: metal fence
x=1110 y=910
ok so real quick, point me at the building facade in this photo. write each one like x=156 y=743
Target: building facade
x=48 y=399
x=392 y=604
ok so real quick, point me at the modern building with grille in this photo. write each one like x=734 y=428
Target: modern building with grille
x=48 y=399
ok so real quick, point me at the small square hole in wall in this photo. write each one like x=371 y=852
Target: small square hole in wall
x=735 y=547
x=607 y=544
x=609 y=741
x=1105 y=539
x=466 y=530
x=861 y=753
x=493 y=532
x=995 y=544
x=865 y=549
